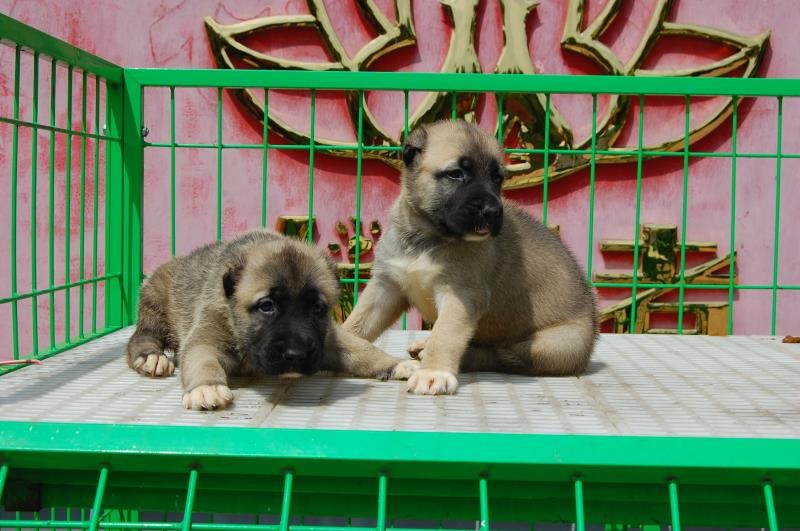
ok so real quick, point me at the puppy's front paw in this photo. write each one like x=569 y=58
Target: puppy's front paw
x=417 y=349
x=432 y=382
x=154 y=364
x=208 y=397
x=404 y=370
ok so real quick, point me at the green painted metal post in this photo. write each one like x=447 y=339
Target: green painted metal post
x=124 y=194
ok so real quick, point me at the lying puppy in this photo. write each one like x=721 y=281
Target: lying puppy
x=260 y=303
x=505 y=294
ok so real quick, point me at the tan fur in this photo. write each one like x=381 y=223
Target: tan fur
x=517 y=302
x=183 y=308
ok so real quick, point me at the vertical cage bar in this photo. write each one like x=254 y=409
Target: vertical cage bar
x=51 y=266
x=684 y=213
x=96 y=203
x=381 y=523
x=359 y=164
x=82 y=223
x=287 y=500
x=3 y=477
x=186 y=523
x=98 y=499
x=34 y=171
x=68 y=212
x=453 y=106
x=219 y=163
x=769 y=501
x=132 y=196
x=639 y=160
x=172 y=197
x=13 y=221
x=546 y=164
x=592 y=183
x=732 y=245
x=483 y=491
x=673 y=505
x=580 y=518
x=404 y=322
x=776 y=240
x=500 y=109
x=311 y=151
x=265 y=161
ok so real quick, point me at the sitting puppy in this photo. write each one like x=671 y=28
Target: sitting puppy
x=504 y=292
x=260 y=303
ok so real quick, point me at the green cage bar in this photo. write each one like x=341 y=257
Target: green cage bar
x=311 y=149
x=95 y=202
x=638 y=214
x=68 y=212
x=13 y=220
x=673 y=505
x=265 y=161
x=82 y=220
x=546 y=165
x=34 y=179
x=684 y=214
x=219 y=163
x=359 y=169
x=732 y=244
x=776 y=240
x=172 y=197
x=287 y=500
x=51 y=269
x=592 y=191
x=769 y=501
x=580 y=516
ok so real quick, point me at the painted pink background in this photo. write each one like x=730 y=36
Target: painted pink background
x=163 y=33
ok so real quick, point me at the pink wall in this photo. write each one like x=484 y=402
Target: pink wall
x=162 y=33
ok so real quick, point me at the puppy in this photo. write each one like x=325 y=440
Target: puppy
x=503 y=292
x=260 y=303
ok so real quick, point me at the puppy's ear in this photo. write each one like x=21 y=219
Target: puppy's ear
x=414 y=145
x=231 y=277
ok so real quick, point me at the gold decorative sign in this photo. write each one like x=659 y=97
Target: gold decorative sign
x=524 y=114
x=659 y=262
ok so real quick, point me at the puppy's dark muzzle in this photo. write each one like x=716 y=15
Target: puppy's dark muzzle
x=492 y=218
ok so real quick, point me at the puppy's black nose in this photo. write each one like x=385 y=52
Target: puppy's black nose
x=491 y=211
x=297 y=354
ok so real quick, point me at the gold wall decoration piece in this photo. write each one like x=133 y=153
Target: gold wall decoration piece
x=523 y=120
x=659 y=262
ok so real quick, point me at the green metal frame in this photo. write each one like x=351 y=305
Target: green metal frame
x=113 y=474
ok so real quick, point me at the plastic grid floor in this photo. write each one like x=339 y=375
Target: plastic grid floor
x=636 y=385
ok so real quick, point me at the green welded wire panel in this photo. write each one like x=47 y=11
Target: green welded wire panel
x=191 y=490
x=776 y=240
x=287 y=500
x=30 y=38
x=592 y=184
x=82 y=217
x=34 y=171
x=311 y=150
x=546 y=165
x=580 y=518
x=732 y=245
x=762 y=287
x=98 y=499
x=673 y=506
x=219 y=164
x=684 y=212
x=172 y=197
x=265 y=160
x=483 y=494
x=441 y=82
x=68 y=211
x=769 y=502
x=382 y=487
x=51 y=270
x=638 y=214
x=95 y=203
x=13 y=221
x=359 y=169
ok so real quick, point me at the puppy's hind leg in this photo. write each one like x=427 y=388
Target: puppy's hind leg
x=145 y=352
x=559 y=350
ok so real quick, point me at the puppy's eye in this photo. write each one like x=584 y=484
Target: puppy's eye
x=267 y=306
x=319 y=308
x=497 y=178
x=455 y=174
